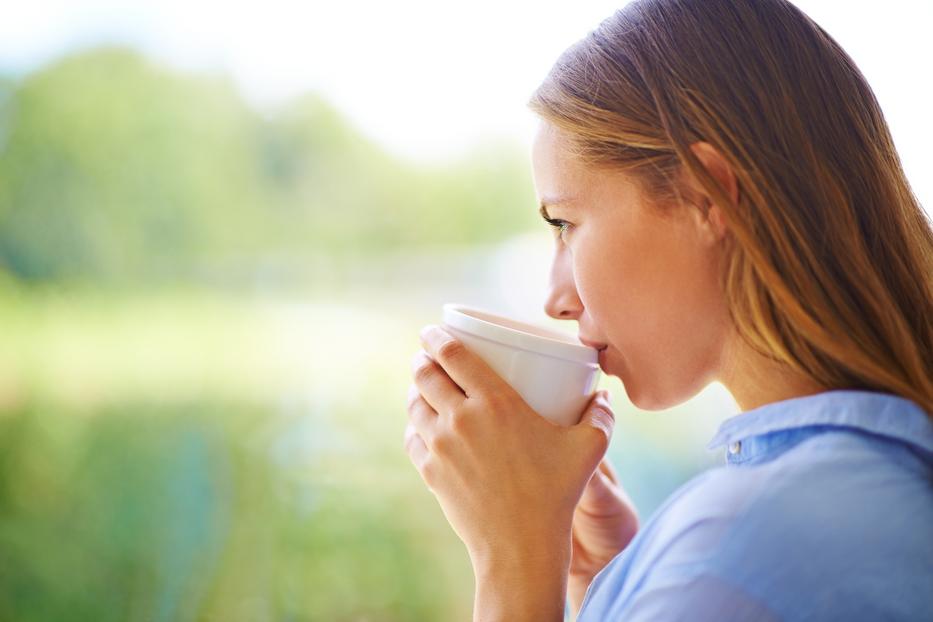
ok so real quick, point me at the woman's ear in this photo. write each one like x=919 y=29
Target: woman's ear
x=713 y=218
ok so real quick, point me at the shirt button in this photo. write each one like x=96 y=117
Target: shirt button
x=735 y=447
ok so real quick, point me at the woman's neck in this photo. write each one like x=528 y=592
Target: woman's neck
x=755 y=380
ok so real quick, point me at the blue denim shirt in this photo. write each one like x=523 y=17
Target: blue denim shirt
x=823 y=511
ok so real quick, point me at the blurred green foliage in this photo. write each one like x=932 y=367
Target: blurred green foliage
x=193 y=456
x=182 y=512
x=114 y=170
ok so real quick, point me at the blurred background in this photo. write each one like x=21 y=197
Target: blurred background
x=221 y=228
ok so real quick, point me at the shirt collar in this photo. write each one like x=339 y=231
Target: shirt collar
x=883 y=414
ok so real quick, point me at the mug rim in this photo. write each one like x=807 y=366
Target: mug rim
x=544 y=340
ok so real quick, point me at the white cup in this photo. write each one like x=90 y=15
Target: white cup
x=552 y=371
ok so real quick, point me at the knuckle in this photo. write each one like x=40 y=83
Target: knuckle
x=424 y=371
x=413 y=396
x=601 y=430
x=429 y=473
x=407 y=439
x=604 y=418
x=421 y=412
x=460 y=423
x=495 y=401
x=452 y=349
x=442 y=445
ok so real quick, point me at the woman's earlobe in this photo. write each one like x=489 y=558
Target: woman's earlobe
x=717 y=221
x=709 y=221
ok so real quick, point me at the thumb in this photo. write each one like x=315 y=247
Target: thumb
x=597 y=417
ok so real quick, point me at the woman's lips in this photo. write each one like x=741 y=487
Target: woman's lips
x=593 y=344
x=602 y=358
x=600 y=347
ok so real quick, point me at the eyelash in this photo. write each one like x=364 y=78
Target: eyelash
x=557 y=223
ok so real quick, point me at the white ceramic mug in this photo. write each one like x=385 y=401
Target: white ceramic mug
x=552 y=371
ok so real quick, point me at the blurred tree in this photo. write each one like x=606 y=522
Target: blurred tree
x=115 y=170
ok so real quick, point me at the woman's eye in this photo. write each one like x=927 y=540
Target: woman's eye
x=560 y=225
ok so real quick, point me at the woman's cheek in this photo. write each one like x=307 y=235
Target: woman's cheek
x=599 y=270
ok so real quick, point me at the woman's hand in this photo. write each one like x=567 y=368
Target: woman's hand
x=507 y=479
x=604 y=522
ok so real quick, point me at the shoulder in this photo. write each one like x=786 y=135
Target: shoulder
x=831 y=491
x=836 y=525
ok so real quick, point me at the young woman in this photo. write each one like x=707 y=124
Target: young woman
x=728 y=206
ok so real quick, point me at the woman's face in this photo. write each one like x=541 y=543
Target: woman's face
x=639 y=279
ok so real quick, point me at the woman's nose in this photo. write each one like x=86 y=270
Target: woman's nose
x=562 y=301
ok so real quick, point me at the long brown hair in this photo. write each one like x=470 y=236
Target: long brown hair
x=830 y=267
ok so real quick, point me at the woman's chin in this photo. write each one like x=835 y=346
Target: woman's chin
x=642 y=396
x=642 y=399
x=654 y=398
x=646 y=400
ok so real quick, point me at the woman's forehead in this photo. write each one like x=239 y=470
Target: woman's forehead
x=555 y=168
x=550 y=139
x=562 y=179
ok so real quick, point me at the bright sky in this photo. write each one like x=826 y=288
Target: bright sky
x=429 y=78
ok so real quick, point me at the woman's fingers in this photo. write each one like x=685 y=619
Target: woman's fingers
x=416 y=449
x=420 y=424
x=464 y=367
x=434 y=385
x=422 y=417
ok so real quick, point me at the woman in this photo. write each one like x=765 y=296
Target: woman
x=729 y=206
